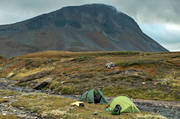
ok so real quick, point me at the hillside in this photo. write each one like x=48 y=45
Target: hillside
x=137 y=75
x=33 y=85
x=95 y=27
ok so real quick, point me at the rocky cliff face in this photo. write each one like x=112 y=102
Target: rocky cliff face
x=93 y=27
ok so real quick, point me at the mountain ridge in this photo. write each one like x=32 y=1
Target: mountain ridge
x=92 y=27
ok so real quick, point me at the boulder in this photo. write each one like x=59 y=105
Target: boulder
x=10 y=75
x=110 y=65
x=43 y=84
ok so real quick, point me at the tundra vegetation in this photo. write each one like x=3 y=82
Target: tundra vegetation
x=138 y=75
x=54 y=107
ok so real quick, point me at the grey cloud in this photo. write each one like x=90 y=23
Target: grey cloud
x=151 y=10
x=141 y=10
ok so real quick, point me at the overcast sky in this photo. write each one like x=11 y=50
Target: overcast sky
x=159 y=19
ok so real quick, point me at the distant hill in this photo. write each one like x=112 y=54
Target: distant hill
x=95 y=27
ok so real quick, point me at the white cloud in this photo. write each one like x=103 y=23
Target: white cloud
x=173 y=46
x=167 y=37
x=172 y=27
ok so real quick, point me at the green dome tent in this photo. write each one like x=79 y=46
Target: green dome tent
x=126 y=104
x=93 y=96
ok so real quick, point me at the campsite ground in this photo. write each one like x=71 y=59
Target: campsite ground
x=31 y=104
x=149 y=76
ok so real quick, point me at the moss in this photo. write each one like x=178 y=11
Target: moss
x=8 y=93
x=8 y=117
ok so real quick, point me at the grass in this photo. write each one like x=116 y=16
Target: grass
x=141 y=93
x=56 y=107
x=8 y=117
x=2 y=100
x=136 y=74
x=25 y=72
x=56 y=54
x=40 y=103
x=82 y=58
x=8 y=93
x=138 y=62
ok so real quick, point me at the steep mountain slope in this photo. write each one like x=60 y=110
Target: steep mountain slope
x=93 y=27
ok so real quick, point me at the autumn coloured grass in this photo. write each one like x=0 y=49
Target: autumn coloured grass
x=136 y=74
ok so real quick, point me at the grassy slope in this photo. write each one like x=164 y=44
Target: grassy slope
x=137 y=75
x=53 y=107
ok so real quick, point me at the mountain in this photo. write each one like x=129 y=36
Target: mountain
x=95 y=27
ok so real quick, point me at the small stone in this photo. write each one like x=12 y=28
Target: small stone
x=21 y=116
x=95 y=113
x=62 y=82
x=5 y=97
x=4 y=114
x=143 y=83
x=10 y=75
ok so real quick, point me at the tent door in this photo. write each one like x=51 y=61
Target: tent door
x=97 y=97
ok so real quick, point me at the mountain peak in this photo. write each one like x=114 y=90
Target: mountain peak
x=92 y=9
x=92 y=6
x=92 y=27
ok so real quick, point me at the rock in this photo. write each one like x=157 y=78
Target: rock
x=166 y=106
x=95 y=113
x=10 y=75
x=41 y=85
x=78 y=103
x=143 y=83
x=5 y=97
x=21 y=116
x=35 y=76
x=149 y=79
x=4 y=113
x=62 y=82
x=110 y=65
x=115 y=72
